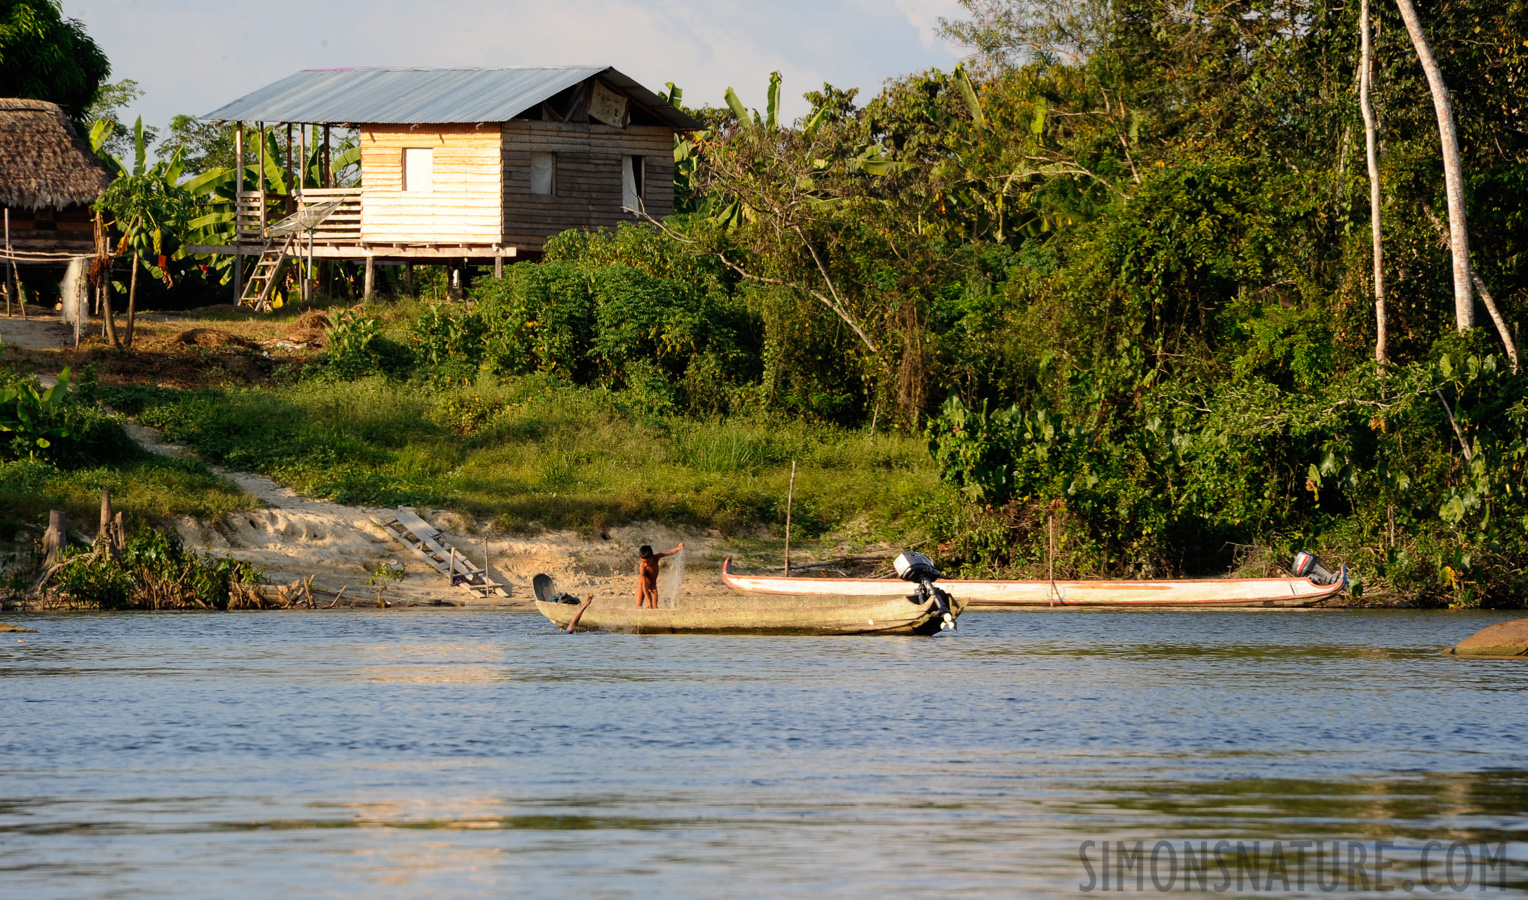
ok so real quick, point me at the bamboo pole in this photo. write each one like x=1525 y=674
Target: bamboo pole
x=10 y=264
x=13 y=288
x=790 y=496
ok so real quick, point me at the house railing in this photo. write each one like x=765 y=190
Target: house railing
x=343 y=226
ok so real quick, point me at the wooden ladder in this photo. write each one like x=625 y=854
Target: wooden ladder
x=262 y=281
x=431 y=546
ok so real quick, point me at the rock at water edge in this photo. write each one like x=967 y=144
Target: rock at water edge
x=1501 y=639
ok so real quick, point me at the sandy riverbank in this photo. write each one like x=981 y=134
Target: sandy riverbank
x=341 y=546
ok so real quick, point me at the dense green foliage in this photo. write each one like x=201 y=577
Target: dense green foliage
x=44 y=56
x=154 y=571
x=1123 y=265
x=56 y=424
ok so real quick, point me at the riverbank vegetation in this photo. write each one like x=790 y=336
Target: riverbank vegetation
x=59 y=448
x=152 y=570
x=1101 y=301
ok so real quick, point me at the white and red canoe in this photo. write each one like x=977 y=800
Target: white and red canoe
x=1200 y=592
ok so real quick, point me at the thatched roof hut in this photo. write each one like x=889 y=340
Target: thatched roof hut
x=44 y=163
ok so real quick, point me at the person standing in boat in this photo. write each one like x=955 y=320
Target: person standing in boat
x=647 y=574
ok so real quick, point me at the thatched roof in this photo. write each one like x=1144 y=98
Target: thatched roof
x=43 y=161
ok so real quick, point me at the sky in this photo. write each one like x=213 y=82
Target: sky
x=193 y=56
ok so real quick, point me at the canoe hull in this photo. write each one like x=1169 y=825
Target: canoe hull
x=1206 y=592
x=854 y=615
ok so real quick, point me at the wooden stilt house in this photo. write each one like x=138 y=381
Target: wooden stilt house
x=464 y=165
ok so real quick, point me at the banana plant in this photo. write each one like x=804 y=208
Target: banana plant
x=29 y=413
x=771 y=117
x=150 y=208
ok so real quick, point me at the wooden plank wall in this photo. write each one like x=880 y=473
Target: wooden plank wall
x=588 y=193
x=67 y=230
x=466 y=205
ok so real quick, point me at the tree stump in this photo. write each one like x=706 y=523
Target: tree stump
x=54 y=539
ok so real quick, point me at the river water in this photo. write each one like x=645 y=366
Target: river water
x=461 y=754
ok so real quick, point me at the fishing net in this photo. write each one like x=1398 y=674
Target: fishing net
x=671 y=579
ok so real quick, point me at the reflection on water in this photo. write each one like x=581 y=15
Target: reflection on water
x=456 y=754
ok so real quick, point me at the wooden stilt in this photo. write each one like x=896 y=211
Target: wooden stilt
x=291 y=201
x=238 y=192
x=297 y=189
x=260 y=178
x=371 y=278
x=325 y=268
x=408 y=278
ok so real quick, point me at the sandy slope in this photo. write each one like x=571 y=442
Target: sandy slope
x=341 y=546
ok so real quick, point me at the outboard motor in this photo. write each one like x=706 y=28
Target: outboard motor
x=919 y=569
x=1306 y=565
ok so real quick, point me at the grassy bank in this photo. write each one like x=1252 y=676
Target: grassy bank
x=143 y=487
x=535 y=451
x=59 y=449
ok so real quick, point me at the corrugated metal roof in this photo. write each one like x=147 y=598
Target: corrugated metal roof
x=425 y=96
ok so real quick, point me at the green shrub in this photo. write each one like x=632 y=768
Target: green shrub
x=55 y=425
x=155 y=571
x=357 y=347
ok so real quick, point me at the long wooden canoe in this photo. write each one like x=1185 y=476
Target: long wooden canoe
x=757 y=615
x=1202 y=592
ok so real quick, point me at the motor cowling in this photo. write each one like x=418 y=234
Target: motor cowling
x=1307 y=565
x=919 y=569
x=915 y=567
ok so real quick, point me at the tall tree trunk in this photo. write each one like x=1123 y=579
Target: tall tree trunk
x=1453 y=174
x=1365 y=78
x=1485 y=297
x=132 y=303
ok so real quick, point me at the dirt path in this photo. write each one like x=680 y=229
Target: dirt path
x=36 y=332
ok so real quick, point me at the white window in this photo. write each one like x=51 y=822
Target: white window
x=418 y=170
x=543 y=173
x=631 y=182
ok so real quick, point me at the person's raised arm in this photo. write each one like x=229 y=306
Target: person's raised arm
x=673 y=551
